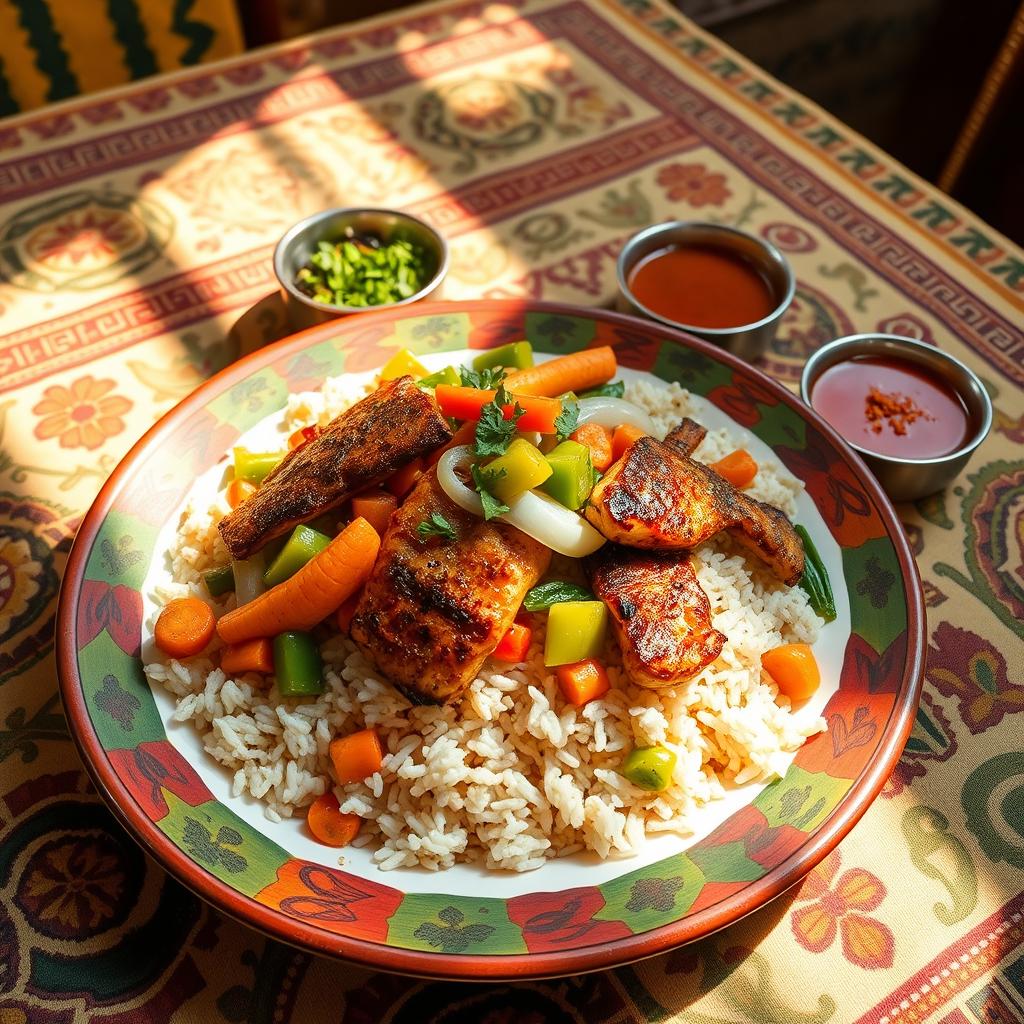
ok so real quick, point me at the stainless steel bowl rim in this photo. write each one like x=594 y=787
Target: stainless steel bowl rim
x=298 y=227
x=671 y=225
x=895 y=343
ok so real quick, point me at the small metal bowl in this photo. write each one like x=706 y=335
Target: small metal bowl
x=299 y=242
x=906 y=479
x=748 y=341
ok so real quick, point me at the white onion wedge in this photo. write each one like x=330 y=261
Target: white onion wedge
x=613 y=412
x=537 y=515
x=248 y=579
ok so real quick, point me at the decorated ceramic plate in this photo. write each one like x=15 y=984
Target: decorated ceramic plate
x=527 y=880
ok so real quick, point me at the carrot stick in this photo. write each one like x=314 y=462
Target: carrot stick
x=599 y=440
x=738 y=467
x=575 y=372
x=328 y=824
x=375 y=507
x=316 y=590
x=343 y=617
x=238 y=491
x=623 y=437
x=583 y=681
x=400 y=483
x=250 y=656
x=356 y=756
x=794 y=670
x=184 y=627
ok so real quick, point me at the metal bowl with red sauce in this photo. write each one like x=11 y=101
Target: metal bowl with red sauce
x=913 y=413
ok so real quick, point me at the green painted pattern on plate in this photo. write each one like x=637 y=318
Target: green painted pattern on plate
x=222 y=843
x=118 y=696
x=653 y=895
x=878 y=606
x=244 y=404
x=694 y=370
x=122 y=551
x=454 y=925
x=557 y=333
x=437 y=333
x=726 y=863
x=780 y=426
x=802 y=800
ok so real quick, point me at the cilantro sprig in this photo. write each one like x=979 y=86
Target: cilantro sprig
x=494 y=433
x=481 y=478
x=484 y=379
x=568 y=419
x=436 y=526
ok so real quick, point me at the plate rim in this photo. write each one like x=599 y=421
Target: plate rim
x=487 y=966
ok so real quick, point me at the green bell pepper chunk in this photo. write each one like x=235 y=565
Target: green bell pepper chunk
x=449 y=375
x=572 y=475
x=517 y=355
x=300 y=547
x=219 y=581
x=520 y=469
x=649 y=768
x=575 y=631
x=297 y=665
x=255 y=466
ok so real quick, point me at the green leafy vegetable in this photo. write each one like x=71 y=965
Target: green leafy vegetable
x=492 y=507
x=613 y=389
x=815 y=582
x=436 y=526
x=484 y=379
x=568 y=419
x=364 y=271
x=494 y=433
x=544 y=595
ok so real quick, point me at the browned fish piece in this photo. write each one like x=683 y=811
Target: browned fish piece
x=654 y=497
x=433 y=609
x=660 y=613
x=686 y=437
x=370 y=440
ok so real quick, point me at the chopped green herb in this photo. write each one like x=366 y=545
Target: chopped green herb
x=494 y=433
x=484 y=379
x=492 y=507
x=436 y=526
x=364 y=271
x=568 y=419
x=613 y=389
x=544 y=595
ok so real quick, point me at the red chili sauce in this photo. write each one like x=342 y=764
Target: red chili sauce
x=702 y=286
x=891 y=407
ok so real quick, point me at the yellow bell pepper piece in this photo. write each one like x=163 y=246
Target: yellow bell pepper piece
x=402 y=364
x=520 y=469
x=575 y=631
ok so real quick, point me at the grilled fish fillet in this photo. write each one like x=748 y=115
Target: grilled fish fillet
x=660 y=613
x=433 y=609
x=656 y=497
x=366 y=443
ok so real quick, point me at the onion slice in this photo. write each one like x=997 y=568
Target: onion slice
x=613 y=412
x=248 y=579
x=537 y=515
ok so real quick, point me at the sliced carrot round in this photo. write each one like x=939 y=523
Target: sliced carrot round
x=794 y=669
x=184 y=627
x=328 y=824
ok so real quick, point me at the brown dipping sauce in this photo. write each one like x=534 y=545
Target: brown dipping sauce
x=891 y=407
x=702 y=286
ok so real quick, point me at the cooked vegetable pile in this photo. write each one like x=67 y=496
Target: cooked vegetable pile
x=362 y=270
x=421 y=564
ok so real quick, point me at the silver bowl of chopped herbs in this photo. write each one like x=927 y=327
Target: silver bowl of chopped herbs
x=352 y=259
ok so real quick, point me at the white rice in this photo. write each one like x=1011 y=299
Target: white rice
x=513 y=775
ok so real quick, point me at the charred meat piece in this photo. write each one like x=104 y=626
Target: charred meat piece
x=655 y=497
x=433 y=609
x=686 y=437
x=366 y=443
x=659 y=611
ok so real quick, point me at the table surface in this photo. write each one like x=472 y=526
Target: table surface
x=135 y=236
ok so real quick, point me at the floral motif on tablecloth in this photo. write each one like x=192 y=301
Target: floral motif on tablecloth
x=840 y=905
x=83 y=415
x=970 y=668
x=82 y=239
x=74 y=885
x=694 y=185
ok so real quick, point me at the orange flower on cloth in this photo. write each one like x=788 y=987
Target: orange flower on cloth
x=82 y=416
x=693 y=184
x=839 y=905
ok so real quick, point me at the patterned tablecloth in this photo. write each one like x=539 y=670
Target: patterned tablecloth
x=135 y=237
